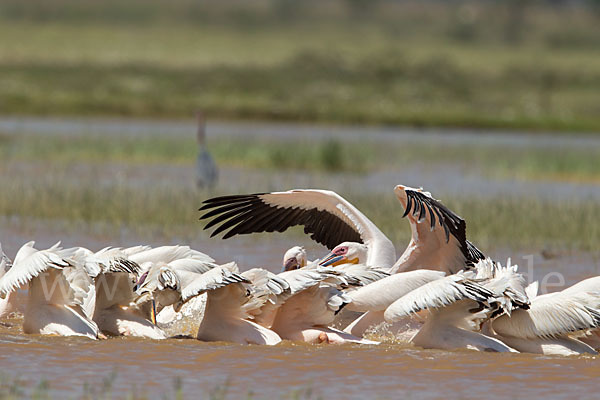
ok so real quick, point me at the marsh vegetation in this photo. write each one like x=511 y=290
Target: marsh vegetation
x=485 y=64
x=115 y=184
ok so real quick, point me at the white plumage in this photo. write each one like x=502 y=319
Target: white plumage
x=59 y=293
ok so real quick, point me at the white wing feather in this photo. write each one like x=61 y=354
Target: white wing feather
x=436 y=294
x=195 y=284
x=167 y=254
x=192 y=265
x=381 y=294
x=353 y=275
x=301 y=279
x=550 y=315
x=27 y=268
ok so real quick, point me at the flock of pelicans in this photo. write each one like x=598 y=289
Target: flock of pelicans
x=441 y=293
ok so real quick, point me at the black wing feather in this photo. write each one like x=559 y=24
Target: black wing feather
x=244 y=214
x=417 y=202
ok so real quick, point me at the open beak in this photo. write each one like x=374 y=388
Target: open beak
x=331 y=260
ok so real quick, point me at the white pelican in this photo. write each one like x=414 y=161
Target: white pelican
x=458 y=304
x=114 y=276
x=294 y=258
x=176 y=255
x=179 y=257
x=592 y=336
x=229 y=303
x=307 y=315
x=59 y=293
x=326 y=216
x=438 y=242
x=376 y=297
x=311 y=298
x=115 y=312
x=438 y=235
x=545 y=327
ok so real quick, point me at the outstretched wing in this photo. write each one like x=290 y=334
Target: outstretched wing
x=28 y=268
x=326 y=216
x=194 y=284
x=439 y=238
x=436 y=294
x=551 y=315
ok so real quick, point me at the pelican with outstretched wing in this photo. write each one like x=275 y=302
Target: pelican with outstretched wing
x=438 y=239
x=438 y=235
x=327 y=217
x=553 y=322
x=458 y=304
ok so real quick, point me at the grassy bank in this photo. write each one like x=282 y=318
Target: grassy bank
x=410 y=63
x=72 y=181
x=70 y=184
x=387 y=87
x=165 y=211
x=534 y=163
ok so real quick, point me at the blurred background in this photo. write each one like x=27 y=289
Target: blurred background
x=493 y=106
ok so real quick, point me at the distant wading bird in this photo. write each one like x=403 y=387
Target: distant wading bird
x=206 y=168
x=438 y=239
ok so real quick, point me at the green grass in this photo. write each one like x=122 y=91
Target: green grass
x=406 y=63
x=529 y=163
x=329 y=155
x=171 y=211
x=383 y=88
x=64 y=182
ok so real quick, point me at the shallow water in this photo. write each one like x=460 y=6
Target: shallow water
x=386 y=371
x=133 y=127
x=348 y=371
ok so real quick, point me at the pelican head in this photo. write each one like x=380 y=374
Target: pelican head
x=294 y=258
x=345 y=253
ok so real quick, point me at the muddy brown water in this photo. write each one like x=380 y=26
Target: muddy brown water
x=350 y=371
x=386 y=371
